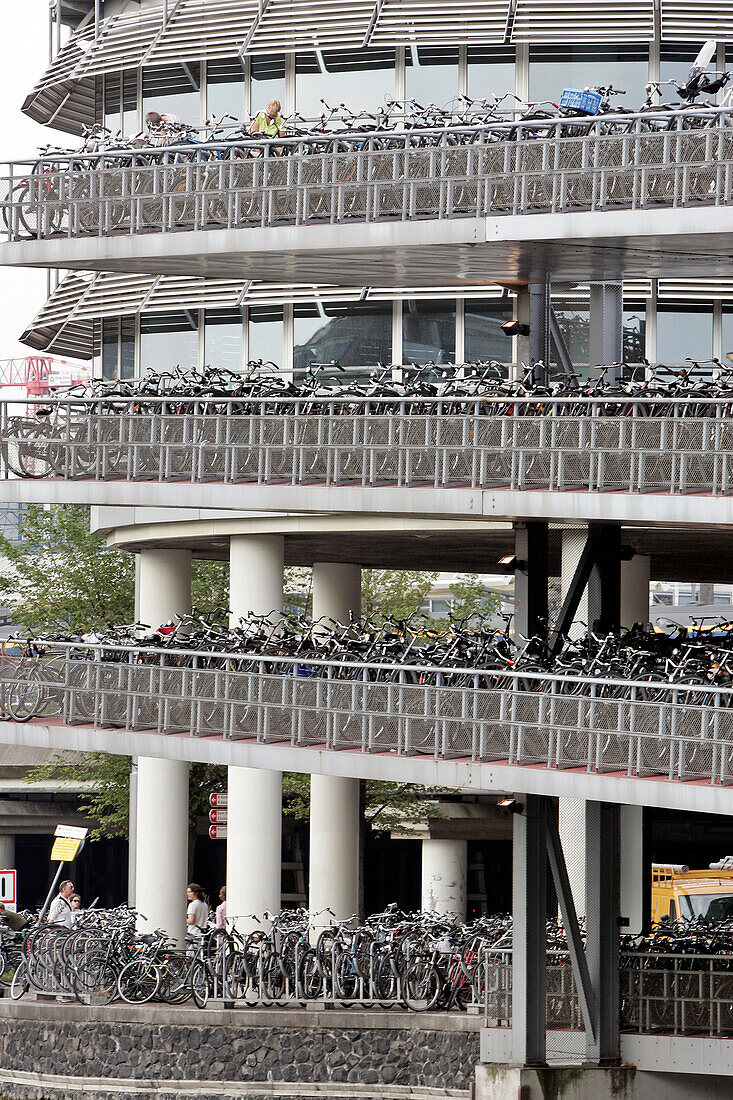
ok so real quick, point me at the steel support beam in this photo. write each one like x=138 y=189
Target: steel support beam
x=530 y=578
x=604 y=583
x=578 y=960
x=575 y=591
x=606 y=327
x=539 y=331
x=563 y=355
x=529 y=939
x=602 y=917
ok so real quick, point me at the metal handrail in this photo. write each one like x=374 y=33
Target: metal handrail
x=630 y=727
x=571 y=444
x=501 y=168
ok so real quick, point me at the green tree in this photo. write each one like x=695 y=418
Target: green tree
x=61 y=574
x=471 y=598
x=395 y=592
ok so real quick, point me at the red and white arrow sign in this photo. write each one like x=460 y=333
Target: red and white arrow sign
x=218 y=832
x=218 y=817
x=218 y=798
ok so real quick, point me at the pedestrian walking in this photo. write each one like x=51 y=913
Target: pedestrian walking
x=197 y=914
x=60 y=910
x=221 y=909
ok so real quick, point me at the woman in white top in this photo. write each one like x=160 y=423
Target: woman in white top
x=197 y=914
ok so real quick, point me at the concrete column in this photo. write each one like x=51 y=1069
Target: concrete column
x=161 y=834
x=336 y=591
x=635 y=590
x=162 y=844
x=7 y=853
x=334 y=801
x=254 y=811
x=444 y=875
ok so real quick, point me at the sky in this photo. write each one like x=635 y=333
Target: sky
x=23 y=57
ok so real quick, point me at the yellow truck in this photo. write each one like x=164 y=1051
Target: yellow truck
x=681 y=894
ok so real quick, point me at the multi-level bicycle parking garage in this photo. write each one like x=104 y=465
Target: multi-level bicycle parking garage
x=603 y=493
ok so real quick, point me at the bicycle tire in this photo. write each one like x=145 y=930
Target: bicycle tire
x=200 y=983
x=421 y=986
x=138 y=981
x=94 y=979
x=21 y=982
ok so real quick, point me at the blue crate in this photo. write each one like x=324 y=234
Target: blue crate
x=576 y=99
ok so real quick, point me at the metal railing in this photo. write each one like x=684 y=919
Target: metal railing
x=553 y=165
x=675 y=731
x=659 y=993
x=562 y=1002
x=638 y=445
x=677 y=994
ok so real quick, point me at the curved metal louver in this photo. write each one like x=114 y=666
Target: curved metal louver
x=602 y=21
x=477 y=21
x=695 y=20
x=196 y=29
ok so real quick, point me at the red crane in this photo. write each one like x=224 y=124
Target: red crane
x=33 y=373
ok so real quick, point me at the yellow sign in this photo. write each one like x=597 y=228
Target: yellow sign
x=65 y=849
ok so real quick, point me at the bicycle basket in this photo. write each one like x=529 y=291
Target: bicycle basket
x=575 y=99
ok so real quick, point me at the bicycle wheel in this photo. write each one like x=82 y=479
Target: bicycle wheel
x=139 y=981
x=21 y=982
x=200 y=983
x=94 y=979
x=421 y=986
x=175 y=980
x=311 y=977
x=24 y=697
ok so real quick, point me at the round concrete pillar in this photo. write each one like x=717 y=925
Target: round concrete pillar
x=334 y=848
x=164 y=585
x=334 y=801
x=161 y=834
x=162 y=844
x=336 y=591
x=254 y=802
x=444 y=877
x=255 y=575
x=7 y=853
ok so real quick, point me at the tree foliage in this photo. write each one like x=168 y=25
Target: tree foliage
x=394 y=592
x=61 y=574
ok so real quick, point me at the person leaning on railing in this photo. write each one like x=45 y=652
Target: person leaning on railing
x=269 y=122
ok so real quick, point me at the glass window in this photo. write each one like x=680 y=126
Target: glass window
x=684 y=331
x=634 y=332
x=112 y=102
x=352 y=334
x=268 y=81
x=223 y=338
x=440 y=607
x=552 y=68
x=110 y=347
x=169 y=340
x=127 y=347
x=675 y=61
x=266 y=334
x=490 y=72
x=727 y=335
x=175 y=90
x=428 y=332
x=224 y=89
x=431 y=74
x=362 y=79
x=484 y=338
